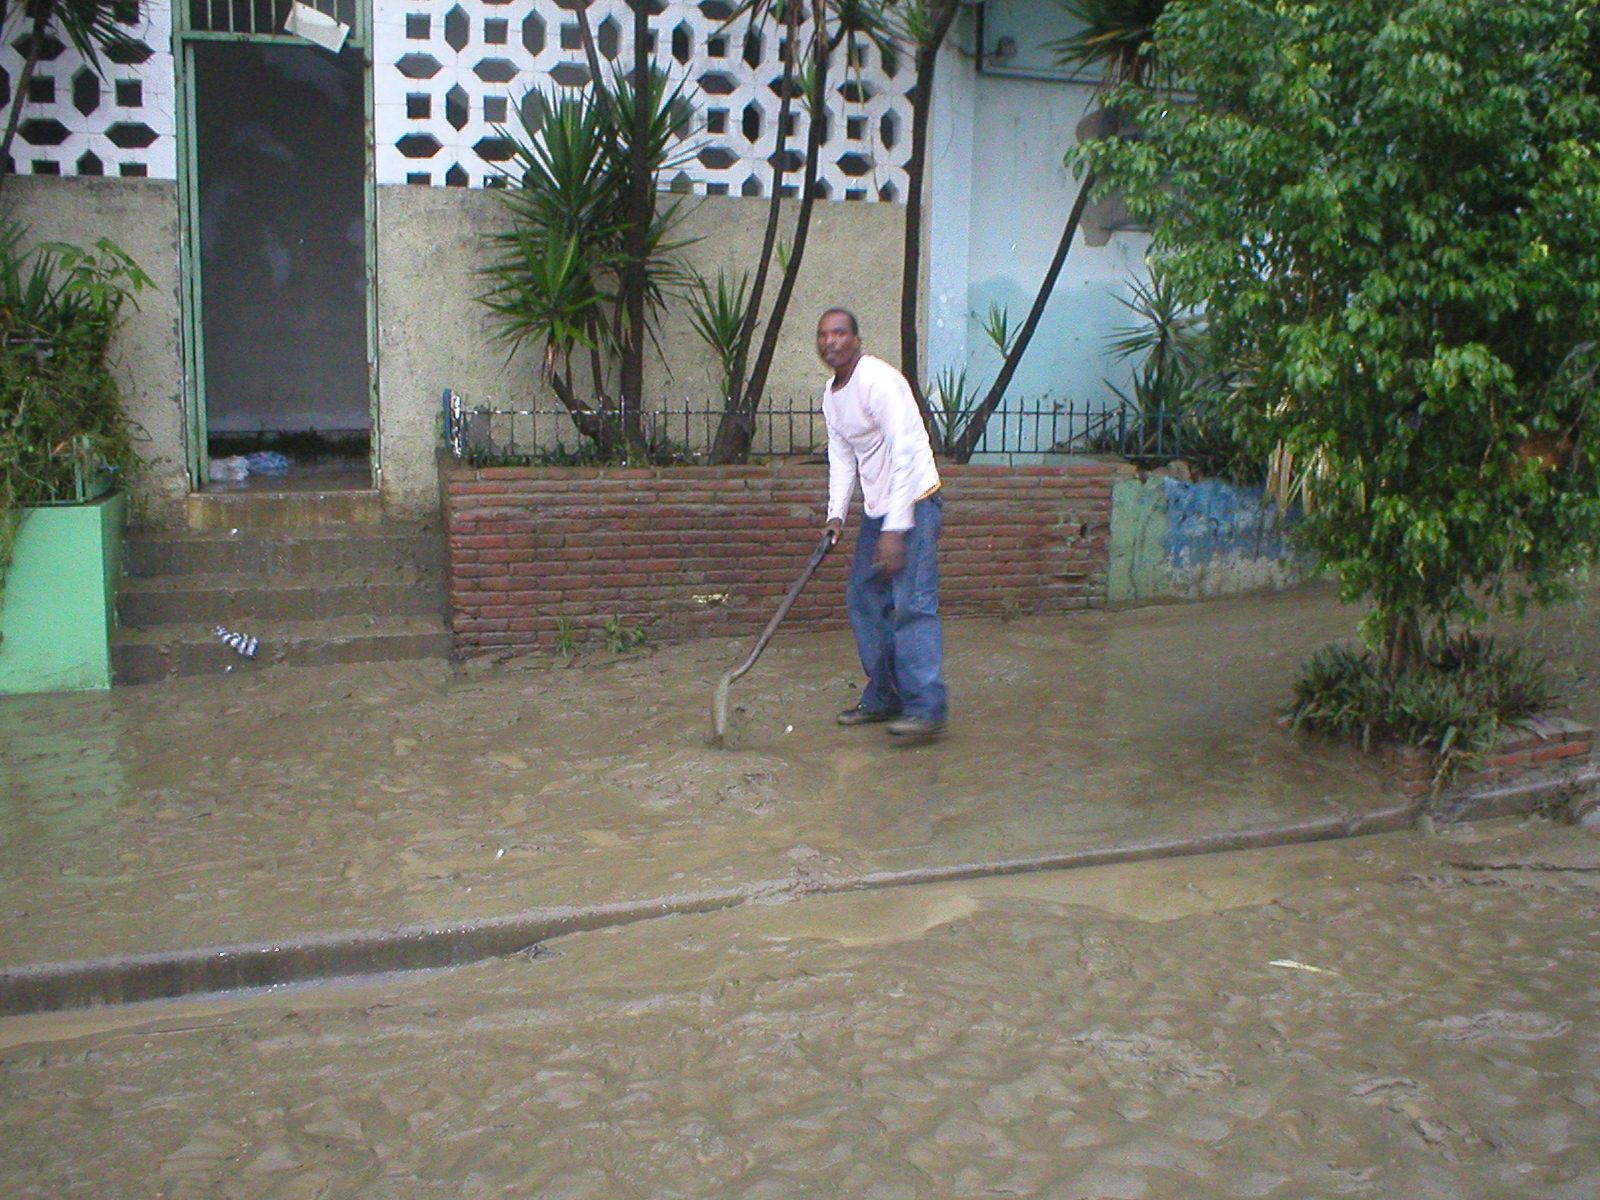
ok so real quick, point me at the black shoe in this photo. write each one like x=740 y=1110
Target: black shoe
x=865 y=716
x=921 y=728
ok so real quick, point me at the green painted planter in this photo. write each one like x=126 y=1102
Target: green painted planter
x=59 y=603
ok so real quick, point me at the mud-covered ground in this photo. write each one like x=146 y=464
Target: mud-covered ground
x=1401 y=1018
x=277 y=803
x=286 y=802
x=1396 y=1018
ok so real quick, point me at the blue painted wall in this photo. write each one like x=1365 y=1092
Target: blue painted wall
x=1173 y=539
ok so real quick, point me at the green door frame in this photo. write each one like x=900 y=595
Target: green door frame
x=185 y=40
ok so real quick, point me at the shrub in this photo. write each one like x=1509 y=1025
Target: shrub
x=1451 y=704
x=61 y=415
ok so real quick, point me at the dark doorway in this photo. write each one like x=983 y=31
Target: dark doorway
x=280 y=137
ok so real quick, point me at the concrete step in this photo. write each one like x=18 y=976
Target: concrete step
x=236 y=598
x=144 y=655
x=258 y=555
x=299 y=509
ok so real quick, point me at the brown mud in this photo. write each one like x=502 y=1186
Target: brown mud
x=1376 y=1018
x=285 y=803
x=266 y=804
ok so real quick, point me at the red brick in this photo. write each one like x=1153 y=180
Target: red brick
x=1560 y=750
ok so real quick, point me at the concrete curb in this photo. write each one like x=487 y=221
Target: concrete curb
x=128 y=979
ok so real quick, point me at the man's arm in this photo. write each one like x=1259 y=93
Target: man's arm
x=841 y=477
x=895 y=409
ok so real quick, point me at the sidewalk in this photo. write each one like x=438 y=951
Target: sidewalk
x=330 y=818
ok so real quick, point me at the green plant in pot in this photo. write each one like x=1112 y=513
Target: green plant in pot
x=61 y=417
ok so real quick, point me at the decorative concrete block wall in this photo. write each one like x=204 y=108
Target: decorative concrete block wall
x=708 y=551
x=448 y=77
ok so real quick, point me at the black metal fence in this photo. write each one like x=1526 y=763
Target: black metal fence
x=683 y=429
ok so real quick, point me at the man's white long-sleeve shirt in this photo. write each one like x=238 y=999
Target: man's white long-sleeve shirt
x=876 y=435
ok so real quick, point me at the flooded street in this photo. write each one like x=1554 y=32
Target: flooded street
x=1400 y=1016
x=268 y=804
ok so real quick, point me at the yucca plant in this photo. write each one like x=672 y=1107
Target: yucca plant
x=561 y=278
x=814 y=33
x=717 y=312
x=950 y=399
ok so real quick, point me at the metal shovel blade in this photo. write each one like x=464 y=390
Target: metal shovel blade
x=719 y=701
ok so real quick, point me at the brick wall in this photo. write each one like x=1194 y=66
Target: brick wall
x=699 y=551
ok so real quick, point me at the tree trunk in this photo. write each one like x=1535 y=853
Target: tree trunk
x=602 y=426
x=736 y=430
x=927 y=59
x=636 y=242
x=769 y=236
x=961 y=449
x=1402 y=642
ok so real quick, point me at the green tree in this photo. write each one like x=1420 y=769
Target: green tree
x=1389 y=210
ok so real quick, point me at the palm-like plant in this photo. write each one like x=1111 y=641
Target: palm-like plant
x=561 y=278
x=61 y=416
x=717 y=312
x=1114 y=36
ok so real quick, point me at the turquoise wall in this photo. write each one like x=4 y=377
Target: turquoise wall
x=59 y=603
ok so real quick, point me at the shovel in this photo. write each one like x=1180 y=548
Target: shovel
x=719 y=703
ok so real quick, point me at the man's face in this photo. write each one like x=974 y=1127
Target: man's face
x=837 y=344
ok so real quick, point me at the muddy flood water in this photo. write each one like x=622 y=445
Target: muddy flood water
x=1404 y=1017
x=1392 y=1018
x=260 y=805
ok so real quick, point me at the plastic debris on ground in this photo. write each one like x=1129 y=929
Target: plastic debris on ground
x=241 y=642
x=267 y=462
x=1296 y=965
x=232 y=469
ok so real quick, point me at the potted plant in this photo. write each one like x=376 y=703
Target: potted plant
x=65 y=444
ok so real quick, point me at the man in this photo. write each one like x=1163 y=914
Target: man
x=876 y=437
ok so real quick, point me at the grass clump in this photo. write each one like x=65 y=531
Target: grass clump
x=1452 y=705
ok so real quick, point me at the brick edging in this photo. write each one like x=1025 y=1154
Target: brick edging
x=1547 y=743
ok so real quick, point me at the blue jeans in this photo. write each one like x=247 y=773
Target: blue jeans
x=896 y=619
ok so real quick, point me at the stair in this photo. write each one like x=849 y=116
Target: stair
x=316 y=579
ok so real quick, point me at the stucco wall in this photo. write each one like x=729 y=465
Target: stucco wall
x=141 y=216
x=432 y=334
x=999 y=200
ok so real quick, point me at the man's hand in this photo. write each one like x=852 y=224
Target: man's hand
x=835 y=528
x=890 y=556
